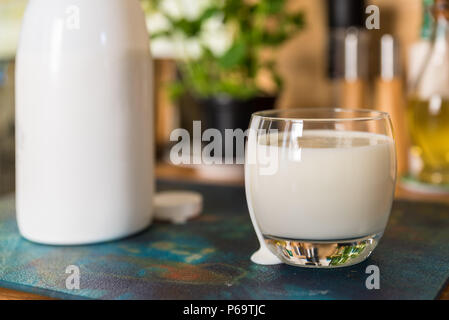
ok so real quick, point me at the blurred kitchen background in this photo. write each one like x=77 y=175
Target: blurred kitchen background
x=219 y=61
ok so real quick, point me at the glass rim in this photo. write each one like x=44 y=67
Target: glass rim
x=359 y=115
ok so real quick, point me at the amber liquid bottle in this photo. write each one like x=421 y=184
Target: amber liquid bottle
x=428 y=105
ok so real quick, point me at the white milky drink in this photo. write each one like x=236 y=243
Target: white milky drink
x=328 y=185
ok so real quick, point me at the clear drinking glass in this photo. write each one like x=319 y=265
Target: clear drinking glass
x=320 y=183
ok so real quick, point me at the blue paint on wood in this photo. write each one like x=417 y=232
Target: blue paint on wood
x=208 y=258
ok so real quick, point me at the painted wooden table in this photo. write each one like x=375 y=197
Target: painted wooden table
x=201 y=259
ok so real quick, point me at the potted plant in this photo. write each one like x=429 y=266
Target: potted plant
x=224 y=50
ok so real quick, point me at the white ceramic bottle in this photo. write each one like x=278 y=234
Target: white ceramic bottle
x=83 y=122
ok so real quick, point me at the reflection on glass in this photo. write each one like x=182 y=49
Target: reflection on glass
x=328 y=195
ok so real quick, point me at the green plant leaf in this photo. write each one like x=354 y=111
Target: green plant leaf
x=272 y=6
x=234 y=56
x=176 y=90
x=160 y=34
x=209 y=13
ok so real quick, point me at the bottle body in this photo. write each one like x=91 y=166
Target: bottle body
x=84 y=146
x=428 y=107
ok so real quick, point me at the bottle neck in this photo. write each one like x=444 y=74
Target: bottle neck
x=441 y=27
x=433 y=79
x=441 y=9
x=427 y=20
x=441 y=30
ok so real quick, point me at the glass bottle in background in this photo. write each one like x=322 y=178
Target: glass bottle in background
x=419 y=50
x=346 y=23
x=353 y=82
x=389 y=97
x=428 y=106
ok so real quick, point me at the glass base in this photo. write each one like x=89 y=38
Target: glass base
x=322 y=254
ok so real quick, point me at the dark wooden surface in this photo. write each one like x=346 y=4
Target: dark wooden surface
x=168 y=172
x=6 y=294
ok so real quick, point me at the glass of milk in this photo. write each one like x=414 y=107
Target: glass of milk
x=320 y=183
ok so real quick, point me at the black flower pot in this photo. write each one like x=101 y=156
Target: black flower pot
x=227 y=113
x=223 y=113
